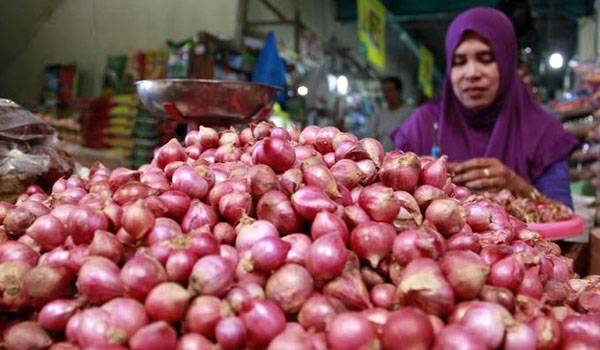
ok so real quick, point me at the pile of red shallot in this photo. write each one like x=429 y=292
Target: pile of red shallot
x=282 y=240
x=539 y=209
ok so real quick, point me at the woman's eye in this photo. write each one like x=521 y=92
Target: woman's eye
x=486 y=57
x=459 y=60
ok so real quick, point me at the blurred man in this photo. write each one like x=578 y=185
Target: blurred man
x=393 y=115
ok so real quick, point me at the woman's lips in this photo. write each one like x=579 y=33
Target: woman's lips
x=474 y=92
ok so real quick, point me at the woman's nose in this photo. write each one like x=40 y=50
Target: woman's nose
x=472 y=70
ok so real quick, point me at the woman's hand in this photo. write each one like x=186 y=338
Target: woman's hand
x=489 y=174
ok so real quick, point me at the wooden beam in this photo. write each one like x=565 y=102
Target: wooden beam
x=269 y=23
x=274 y=9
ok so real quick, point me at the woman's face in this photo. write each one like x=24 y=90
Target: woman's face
x=475 y=75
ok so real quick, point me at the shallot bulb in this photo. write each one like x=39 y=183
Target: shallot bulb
x=400 y=170
x=447 y=216
x=422 y=284
x=350 y=331
x=372 y=241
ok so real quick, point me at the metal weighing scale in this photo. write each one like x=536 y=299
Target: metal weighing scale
x=207 y=102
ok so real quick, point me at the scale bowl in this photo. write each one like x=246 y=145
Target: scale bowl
x=207 y=102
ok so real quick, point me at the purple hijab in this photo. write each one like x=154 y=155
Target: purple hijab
x=515 y=129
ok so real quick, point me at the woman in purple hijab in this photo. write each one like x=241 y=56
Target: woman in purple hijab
x=492 y=130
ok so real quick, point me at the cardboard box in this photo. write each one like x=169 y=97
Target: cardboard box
x=594 y=268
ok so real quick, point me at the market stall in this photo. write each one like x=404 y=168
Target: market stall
x=190 y=207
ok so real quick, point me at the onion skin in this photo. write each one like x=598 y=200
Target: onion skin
x=262 y=179
x=308 y=201
x=127 y=316
x=234 y=205
x=17 y=220
x=498 y=295
x=299 y=246
x=479 y=217
x=250 y=232
x=106 y=244
x=46 y=283
x=133 y=191
x=369 y=171
x=208 y=137
x=99 y=280
x=193 y=341
x=269 y=253
x=277 y=153
x=137 y=220
x=326 y=257
x=69 y=346
x=276 y=207
x=324 y=140
x=264 y=321
x=354 y=215
x=425 y=194
x=179 y=265
x=347 y=173
x=531 y=284
x=379 y=202
x=320 y=176
x=198 y=215
x=520 y=337
x=12 y=289
x=292 y=340
x=447 y=216
x=351 y=331
x=55 y=314
x=27 y=335
x=583 y=329
x=400 y=170
x=212 y=275
x=413 y=244
x=507 y=273
x=289 y=287
x=372 y=241
x=435 y=173
x=464 y=241
x=230 y=333
x=155 y=336
x=466 y=272
x=485 y=319
x=547 y=331
x=140 y=274
x=225 y=233
x=384 y=296
x=83 y=222
x=454 y=337
x=326 y=222
x=491 y=254
x=167 y=302
x=47 y=231
x=290 y=181
x=17 y=251
x=308 y=136
x=177 y=204
x=315 y=313
x=350 y=290
x=172 y=151
x=408 y=328
x=422 y=284
x=203 y=315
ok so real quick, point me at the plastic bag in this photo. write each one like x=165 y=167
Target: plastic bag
x=28 y=146
x=16 y=159
x=18 y=124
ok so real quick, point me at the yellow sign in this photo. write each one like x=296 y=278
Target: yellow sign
x=426 y=71
x=371 y=30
